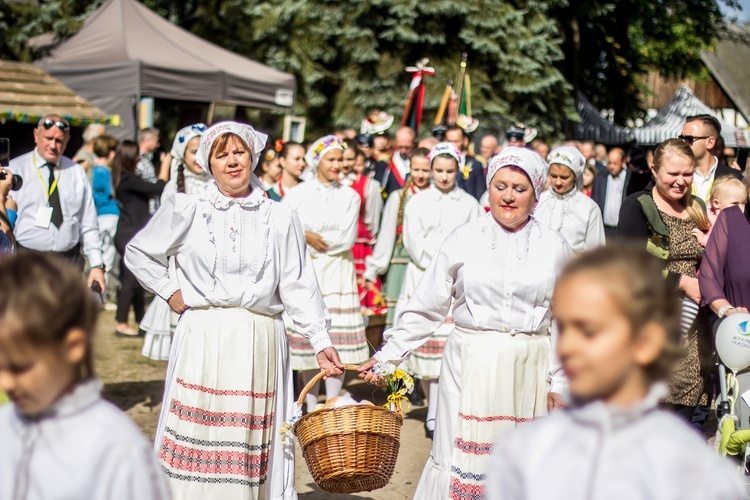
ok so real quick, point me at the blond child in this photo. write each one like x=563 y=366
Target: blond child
x=59 y=438
x=618 y=324
x=726 y=192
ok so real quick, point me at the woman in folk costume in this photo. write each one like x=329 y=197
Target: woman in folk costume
x=328 y=212
x=292 y=163
x=389 y=254
x=240 y=260
x=188 y=177
x=428 y=219
x=500 y=270
x=563 y=206
x=368 y=224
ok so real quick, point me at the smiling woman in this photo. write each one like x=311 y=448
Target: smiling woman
x=499 y=272
x=239 y=262
x=664 y=219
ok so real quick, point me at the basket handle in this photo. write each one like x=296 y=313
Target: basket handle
x=315 y=380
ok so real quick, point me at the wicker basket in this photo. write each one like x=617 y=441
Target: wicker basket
x=349 y=449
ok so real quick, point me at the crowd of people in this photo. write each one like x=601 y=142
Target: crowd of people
x=528 y=279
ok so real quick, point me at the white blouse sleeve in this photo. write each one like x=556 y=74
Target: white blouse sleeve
x=426 y=309
x=420 y=240
x=377 y=263
x=299 y=290
x=556 y=375
x=373 y=207
x=341 y=237
x=595 y=230
x=147 y=254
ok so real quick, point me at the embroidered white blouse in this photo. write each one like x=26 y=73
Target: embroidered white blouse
x=428 y=218
x=574 y=215
x=378 y=263
x=193 y=184
x=232 y=252
x=83 y=447
x=499 y=280
x=330 y=210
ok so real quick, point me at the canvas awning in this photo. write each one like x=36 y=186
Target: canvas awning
x=27 y=93
x=126 y=51
x=594 y=127
x=669 y=121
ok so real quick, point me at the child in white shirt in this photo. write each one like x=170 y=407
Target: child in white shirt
x=618 y=324
x=59 y=438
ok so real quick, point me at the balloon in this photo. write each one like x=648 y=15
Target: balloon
x=733 y=341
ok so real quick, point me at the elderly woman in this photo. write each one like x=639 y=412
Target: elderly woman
x=240 y=261
x=566 y=209
x=500 y=270
x=663 y=219
x=328 y=212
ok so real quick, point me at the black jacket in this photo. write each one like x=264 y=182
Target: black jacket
x=133 y=194
x=476 y=184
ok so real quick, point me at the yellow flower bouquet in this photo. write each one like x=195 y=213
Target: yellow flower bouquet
x=396 y=384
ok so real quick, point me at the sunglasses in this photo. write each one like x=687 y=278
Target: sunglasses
x=49 y=123
x=690 y=139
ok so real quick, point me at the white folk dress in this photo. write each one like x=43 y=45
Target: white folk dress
x=239 y=263
x=574 y=215
x=428 y=219
x=331 y=210
x=497 y=365
x=83 y=447
x=160 y=321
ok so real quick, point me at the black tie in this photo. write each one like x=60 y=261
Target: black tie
x=54 y=198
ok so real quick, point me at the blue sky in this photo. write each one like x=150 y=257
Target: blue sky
x=743 y=15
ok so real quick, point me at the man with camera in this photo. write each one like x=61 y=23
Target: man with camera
x=56 y=210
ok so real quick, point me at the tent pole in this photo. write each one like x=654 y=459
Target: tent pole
x=210 y=117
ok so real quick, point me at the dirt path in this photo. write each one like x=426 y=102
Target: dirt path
x=135 y=384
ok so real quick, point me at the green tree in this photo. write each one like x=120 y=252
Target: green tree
x=610 y=46
x=350 y=56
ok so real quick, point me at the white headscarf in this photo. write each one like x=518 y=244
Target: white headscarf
x=525 y=159
x=319 y=148
x=255 y=140
x=569 y=157
x=179 y=145
x=445 y=148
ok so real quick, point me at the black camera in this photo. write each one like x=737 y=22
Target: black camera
x=16 y=183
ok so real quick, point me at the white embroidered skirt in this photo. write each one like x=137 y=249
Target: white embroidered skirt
x=339 y=288
x=490 y=382
x=159 y=323
x=228 y=392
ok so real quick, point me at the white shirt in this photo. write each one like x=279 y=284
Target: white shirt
x=430 y=216
x=330 y=210
x=598 y=451
x=76 y=199
x=613 y=198
x=500 y=281
x=79 y=213
x=403 y=166
x=232 y=252
x=84 y=447
x=702 y=185
x=575 y=216
x=378 y=263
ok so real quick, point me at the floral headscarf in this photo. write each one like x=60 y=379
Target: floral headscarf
x=319 y=148
x=525 y=159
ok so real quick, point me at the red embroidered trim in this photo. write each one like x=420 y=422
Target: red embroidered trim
x=227 y=392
